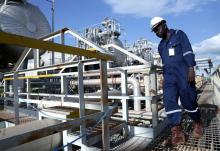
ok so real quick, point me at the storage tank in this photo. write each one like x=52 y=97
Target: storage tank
x=21 y=18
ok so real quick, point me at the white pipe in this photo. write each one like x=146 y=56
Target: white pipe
x=203 y=59
x=133 y=81
x=136 y=92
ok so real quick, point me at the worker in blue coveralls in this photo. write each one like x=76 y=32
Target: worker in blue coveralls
x=179 y=78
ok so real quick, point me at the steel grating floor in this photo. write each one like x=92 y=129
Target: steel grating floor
x=210 y=140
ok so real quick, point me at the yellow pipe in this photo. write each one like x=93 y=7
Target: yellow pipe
x=91 y=49
x=34 y=77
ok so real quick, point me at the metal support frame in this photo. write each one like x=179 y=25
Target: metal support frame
x=81 y=101
x=124 y=92
x=104 y=105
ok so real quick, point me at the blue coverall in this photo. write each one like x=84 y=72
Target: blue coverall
x=177 y=56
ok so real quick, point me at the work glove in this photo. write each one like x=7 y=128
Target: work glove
x=191 y=75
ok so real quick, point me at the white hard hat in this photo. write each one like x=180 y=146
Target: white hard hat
x=155 y=21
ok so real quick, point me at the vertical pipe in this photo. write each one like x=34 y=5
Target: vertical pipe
x=36 y=58
x=136 y=92
x=147 y=92
x=124 y=92
x=104 y=105
x=52 y=58
x=81 y=100
x=16 y=98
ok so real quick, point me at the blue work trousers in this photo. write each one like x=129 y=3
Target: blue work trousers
x=175 y=87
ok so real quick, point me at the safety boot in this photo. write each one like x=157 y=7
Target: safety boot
x=197 y=129
x=177 y=136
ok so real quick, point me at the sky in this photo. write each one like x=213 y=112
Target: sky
x=199 y=19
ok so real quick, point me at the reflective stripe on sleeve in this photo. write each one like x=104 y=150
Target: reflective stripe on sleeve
x=188 y=52
x=192 y=111
x=174 y=111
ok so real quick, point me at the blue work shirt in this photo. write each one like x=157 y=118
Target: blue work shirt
x=176 y=53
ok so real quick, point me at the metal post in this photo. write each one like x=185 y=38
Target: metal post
x=153 y=83
x=16 y=98
x=53 y=9
x=81 y=101
x=154 y=113
x=65 y=136
x=124 y=92
x=63 y=88
x=62 y=42
x=147 y=92
x=28 y=86
x=52 y=22
x=104 y=105
x=5 y=88
x=153 y=92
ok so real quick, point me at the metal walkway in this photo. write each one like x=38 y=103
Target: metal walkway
x=210 y=141
x=133 y=144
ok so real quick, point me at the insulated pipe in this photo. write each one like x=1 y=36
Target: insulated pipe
x=136 y=92
x=133 y=81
